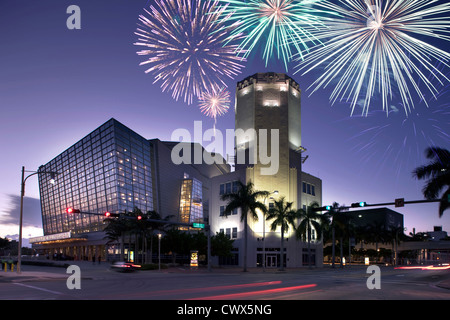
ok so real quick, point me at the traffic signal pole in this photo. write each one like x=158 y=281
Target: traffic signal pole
x=397 y=203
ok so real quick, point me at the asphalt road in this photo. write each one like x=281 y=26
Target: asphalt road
x=98 y=282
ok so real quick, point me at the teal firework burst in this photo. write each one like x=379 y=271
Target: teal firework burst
x=283 y=27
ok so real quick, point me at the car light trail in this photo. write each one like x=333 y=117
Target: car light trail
x=253 y=293
x=443 y=267
x=198 y=290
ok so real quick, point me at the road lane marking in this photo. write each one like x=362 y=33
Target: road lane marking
x=37 y=288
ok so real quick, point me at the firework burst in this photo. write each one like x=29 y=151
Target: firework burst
x=378 y=45
x=214 y=104
x=283 y=26
x=184 y=43
x=398 y=142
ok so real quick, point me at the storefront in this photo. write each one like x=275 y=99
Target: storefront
x=66 y=246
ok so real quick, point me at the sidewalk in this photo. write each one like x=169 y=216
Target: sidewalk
x=26 y=276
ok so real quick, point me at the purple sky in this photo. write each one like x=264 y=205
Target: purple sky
x=57 y=85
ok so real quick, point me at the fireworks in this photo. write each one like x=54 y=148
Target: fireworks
x=283 y=26
x=397 y=141
x=375 y=47
x=184 y=43
x=214 y=104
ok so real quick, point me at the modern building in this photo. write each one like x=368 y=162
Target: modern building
x=268 y=152
x=385 y=218
x=114 y=169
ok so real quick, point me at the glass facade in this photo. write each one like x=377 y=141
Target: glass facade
x=108 y=170
x=191 y=204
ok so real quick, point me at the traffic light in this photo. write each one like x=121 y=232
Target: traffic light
x=71 y=210
x=359 y=204
x=326 y=208
x=111 y=215
x=139 y=217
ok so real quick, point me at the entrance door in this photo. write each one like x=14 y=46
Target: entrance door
x=271 y=260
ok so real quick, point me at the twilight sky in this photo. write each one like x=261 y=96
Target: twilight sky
x=57 y=85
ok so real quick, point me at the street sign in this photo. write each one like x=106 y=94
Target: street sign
x=400 y=202
x=198 y=225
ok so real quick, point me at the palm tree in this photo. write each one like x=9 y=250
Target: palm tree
x=283 y=216
x=335 y=223
x=376 y=232
x=310 y=218
x=246 y=198
x=395 y=235
x=151 y=227
x=438 y=174
x=343 y=228
x=115 y=230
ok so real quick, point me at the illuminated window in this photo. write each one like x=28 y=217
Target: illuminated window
x=191 y=205
x=271 y=103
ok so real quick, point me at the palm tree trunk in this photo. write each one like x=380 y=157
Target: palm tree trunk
x=122 y=247
x=333 y=248
x=151 y=249
x=309 y=247
x=245 y=241
x=282 y=249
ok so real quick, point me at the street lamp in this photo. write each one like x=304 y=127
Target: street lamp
x=159 y=251
x=22 y=195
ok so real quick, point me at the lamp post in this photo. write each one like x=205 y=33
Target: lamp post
x=22 y=195
x=159 y=251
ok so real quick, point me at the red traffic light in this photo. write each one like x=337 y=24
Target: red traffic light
x=71 y=210
x=111 y=215
x=139 y=217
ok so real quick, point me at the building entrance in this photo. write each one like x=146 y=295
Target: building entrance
x=271 y=260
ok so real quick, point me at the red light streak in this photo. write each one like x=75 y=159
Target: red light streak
x=425 y=268
x=252 y=293
x=203 y=289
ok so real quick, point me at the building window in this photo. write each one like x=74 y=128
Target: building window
x=309 y=189
x=222 y=211
x=229 y=187
x=230 y=233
